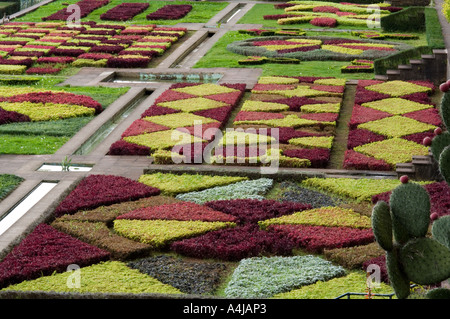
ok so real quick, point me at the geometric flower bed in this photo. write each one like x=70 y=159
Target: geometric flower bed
x=49 y=47
x=30 y=104
x=388 y=123
x=326 y=14
x=117 y=242
x=187 y=115
x=303 y=109
x=314 y=48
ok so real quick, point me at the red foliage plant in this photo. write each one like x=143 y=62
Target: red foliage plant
x=170 y=12
x=284 y=134
x=324 y=22
x=296 y=102
x=362 y=114
x=321 y=117
x=233 y=244
x=98 y=190
x=86 y=6
x=359 y=137
x=142 y=127
x=55 y=97
x=124 y=11
x=355 y=160
x=252 y=116
x=430 y=116
x=56 y=59
x=122 y=147
x=179 y=211
x=253 y=210
x=329 y=9
x=156 y=110
x=439 y=197
x=317 y=238
x=319 y=157
x=38 y=70
x=118 y=62
x=44 y=251
x=12 y=117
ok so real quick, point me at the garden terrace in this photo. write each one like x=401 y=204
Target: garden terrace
x=127 y=105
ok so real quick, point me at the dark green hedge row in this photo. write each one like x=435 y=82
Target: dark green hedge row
x=408 y=19
x=433 y=29
x=411 y=19
x=391 y=62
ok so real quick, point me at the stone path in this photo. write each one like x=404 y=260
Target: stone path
x=134 y=166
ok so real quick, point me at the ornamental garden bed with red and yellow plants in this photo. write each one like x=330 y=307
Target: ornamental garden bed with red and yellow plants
x=214 y=235
x=206 y=235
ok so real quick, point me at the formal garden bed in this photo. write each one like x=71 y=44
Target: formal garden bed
x=207 y=235
x=226 y=223
x=40 y=119
x=182 y=234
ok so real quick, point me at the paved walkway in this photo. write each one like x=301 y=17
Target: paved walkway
x=133 y=166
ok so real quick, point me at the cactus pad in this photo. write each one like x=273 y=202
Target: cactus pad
x=444 y=164
x=425 y=261
x=439 y=143
x=439 y=293
x=441 y=230
x=445 y=109
x=382 y=225
x=397 y=278
x=410 y=207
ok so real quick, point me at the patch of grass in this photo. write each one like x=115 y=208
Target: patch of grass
x=67 y=127
x=30 y=145
x=8 y=183
x=219 y=56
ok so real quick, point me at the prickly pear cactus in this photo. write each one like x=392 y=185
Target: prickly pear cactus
x=440 y=144
x=401 y=227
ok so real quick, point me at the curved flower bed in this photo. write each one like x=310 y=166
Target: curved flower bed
x=32 y=105
x=388 y=123
x=328 y=14
x=113 y=241
x=308 y=48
